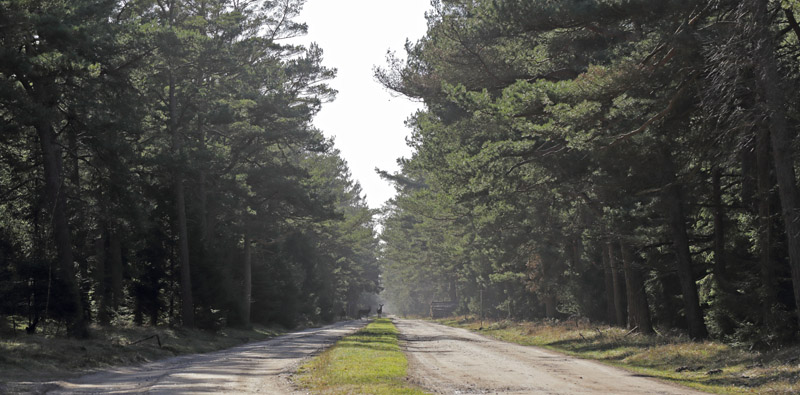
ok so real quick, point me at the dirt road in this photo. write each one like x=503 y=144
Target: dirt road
x=448 y=360
x=261 y=367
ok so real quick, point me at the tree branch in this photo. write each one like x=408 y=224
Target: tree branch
x=650 y=121
x=792 y=22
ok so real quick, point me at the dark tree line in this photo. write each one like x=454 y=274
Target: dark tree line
x=630 y=161
x=158 y=165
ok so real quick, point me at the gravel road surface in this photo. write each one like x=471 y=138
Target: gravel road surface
x=442 y=360
x=447 y=360
x=260 y=367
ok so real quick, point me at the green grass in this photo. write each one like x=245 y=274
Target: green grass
x=35 y=358
x=659 y=356
x=367 y=362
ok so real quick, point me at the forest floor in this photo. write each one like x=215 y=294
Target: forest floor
x=707 y=366
x=117 y=358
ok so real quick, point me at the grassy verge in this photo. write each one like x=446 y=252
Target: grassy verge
x=34 y=358
x=706 y=366
x=367 y=362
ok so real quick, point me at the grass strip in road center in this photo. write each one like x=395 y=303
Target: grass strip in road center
x=367 y=362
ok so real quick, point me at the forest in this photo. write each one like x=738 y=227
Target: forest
x=626 y=161
x=159 y=166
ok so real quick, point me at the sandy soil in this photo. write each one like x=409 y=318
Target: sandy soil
x=261 y=367
x=448 y=360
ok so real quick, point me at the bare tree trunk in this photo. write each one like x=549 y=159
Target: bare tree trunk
x=638 y=309
x=770 y=83
x=187 y=304
x=616 y=278
x=57 y=205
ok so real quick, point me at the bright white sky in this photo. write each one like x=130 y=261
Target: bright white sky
x=365 y=120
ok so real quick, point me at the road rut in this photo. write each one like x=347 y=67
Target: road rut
x=447 y=360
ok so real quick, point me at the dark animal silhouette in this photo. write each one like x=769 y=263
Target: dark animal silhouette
x=380 y=311
x=365 y=312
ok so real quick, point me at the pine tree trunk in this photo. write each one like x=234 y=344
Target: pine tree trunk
x=619 y=293
x=549 y=305
x=769 y=284
x=638 y=309
x=680 y=240
x=204 y=223
x=204 y=231
x=749 y=187
x=725 y=323
x=115 y=268
x=57 y=206
x=248 y=281
x=576 y=253
x=720 y=265
x=74 y=168
x=770 y=83
x=609 y=286
x=101 y=290
x=187 y=304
